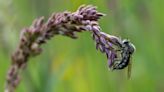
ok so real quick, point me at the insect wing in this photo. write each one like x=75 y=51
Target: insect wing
x=129 y=67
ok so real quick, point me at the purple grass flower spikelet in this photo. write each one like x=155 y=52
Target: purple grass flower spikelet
x=31 y=38
x=66 y=24
x=111 y=57
x=107 y=44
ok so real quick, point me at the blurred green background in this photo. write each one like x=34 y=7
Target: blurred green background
x=68 y=65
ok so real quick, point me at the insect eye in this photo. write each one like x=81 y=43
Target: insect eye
x=131 y=48
x=125 y=41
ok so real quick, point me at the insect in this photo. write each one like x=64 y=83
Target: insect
x=126 y=51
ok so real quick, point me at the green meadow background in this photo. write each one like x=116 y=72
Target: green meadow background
x=68 y=65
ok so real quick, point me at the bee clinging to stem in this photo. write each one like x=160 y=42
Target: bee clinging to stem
x=126 y=51
x=119 y=52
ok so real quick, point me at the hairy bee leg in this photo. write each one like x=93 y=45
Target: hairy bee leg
x=118 y=50
x=117 y=59
x=116 y=63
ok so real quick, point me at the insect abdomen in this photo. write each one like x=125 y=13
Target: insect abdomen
x=124 y=61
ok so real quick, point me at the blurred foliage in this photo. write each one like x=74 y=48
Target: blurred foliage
x=68 y=65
